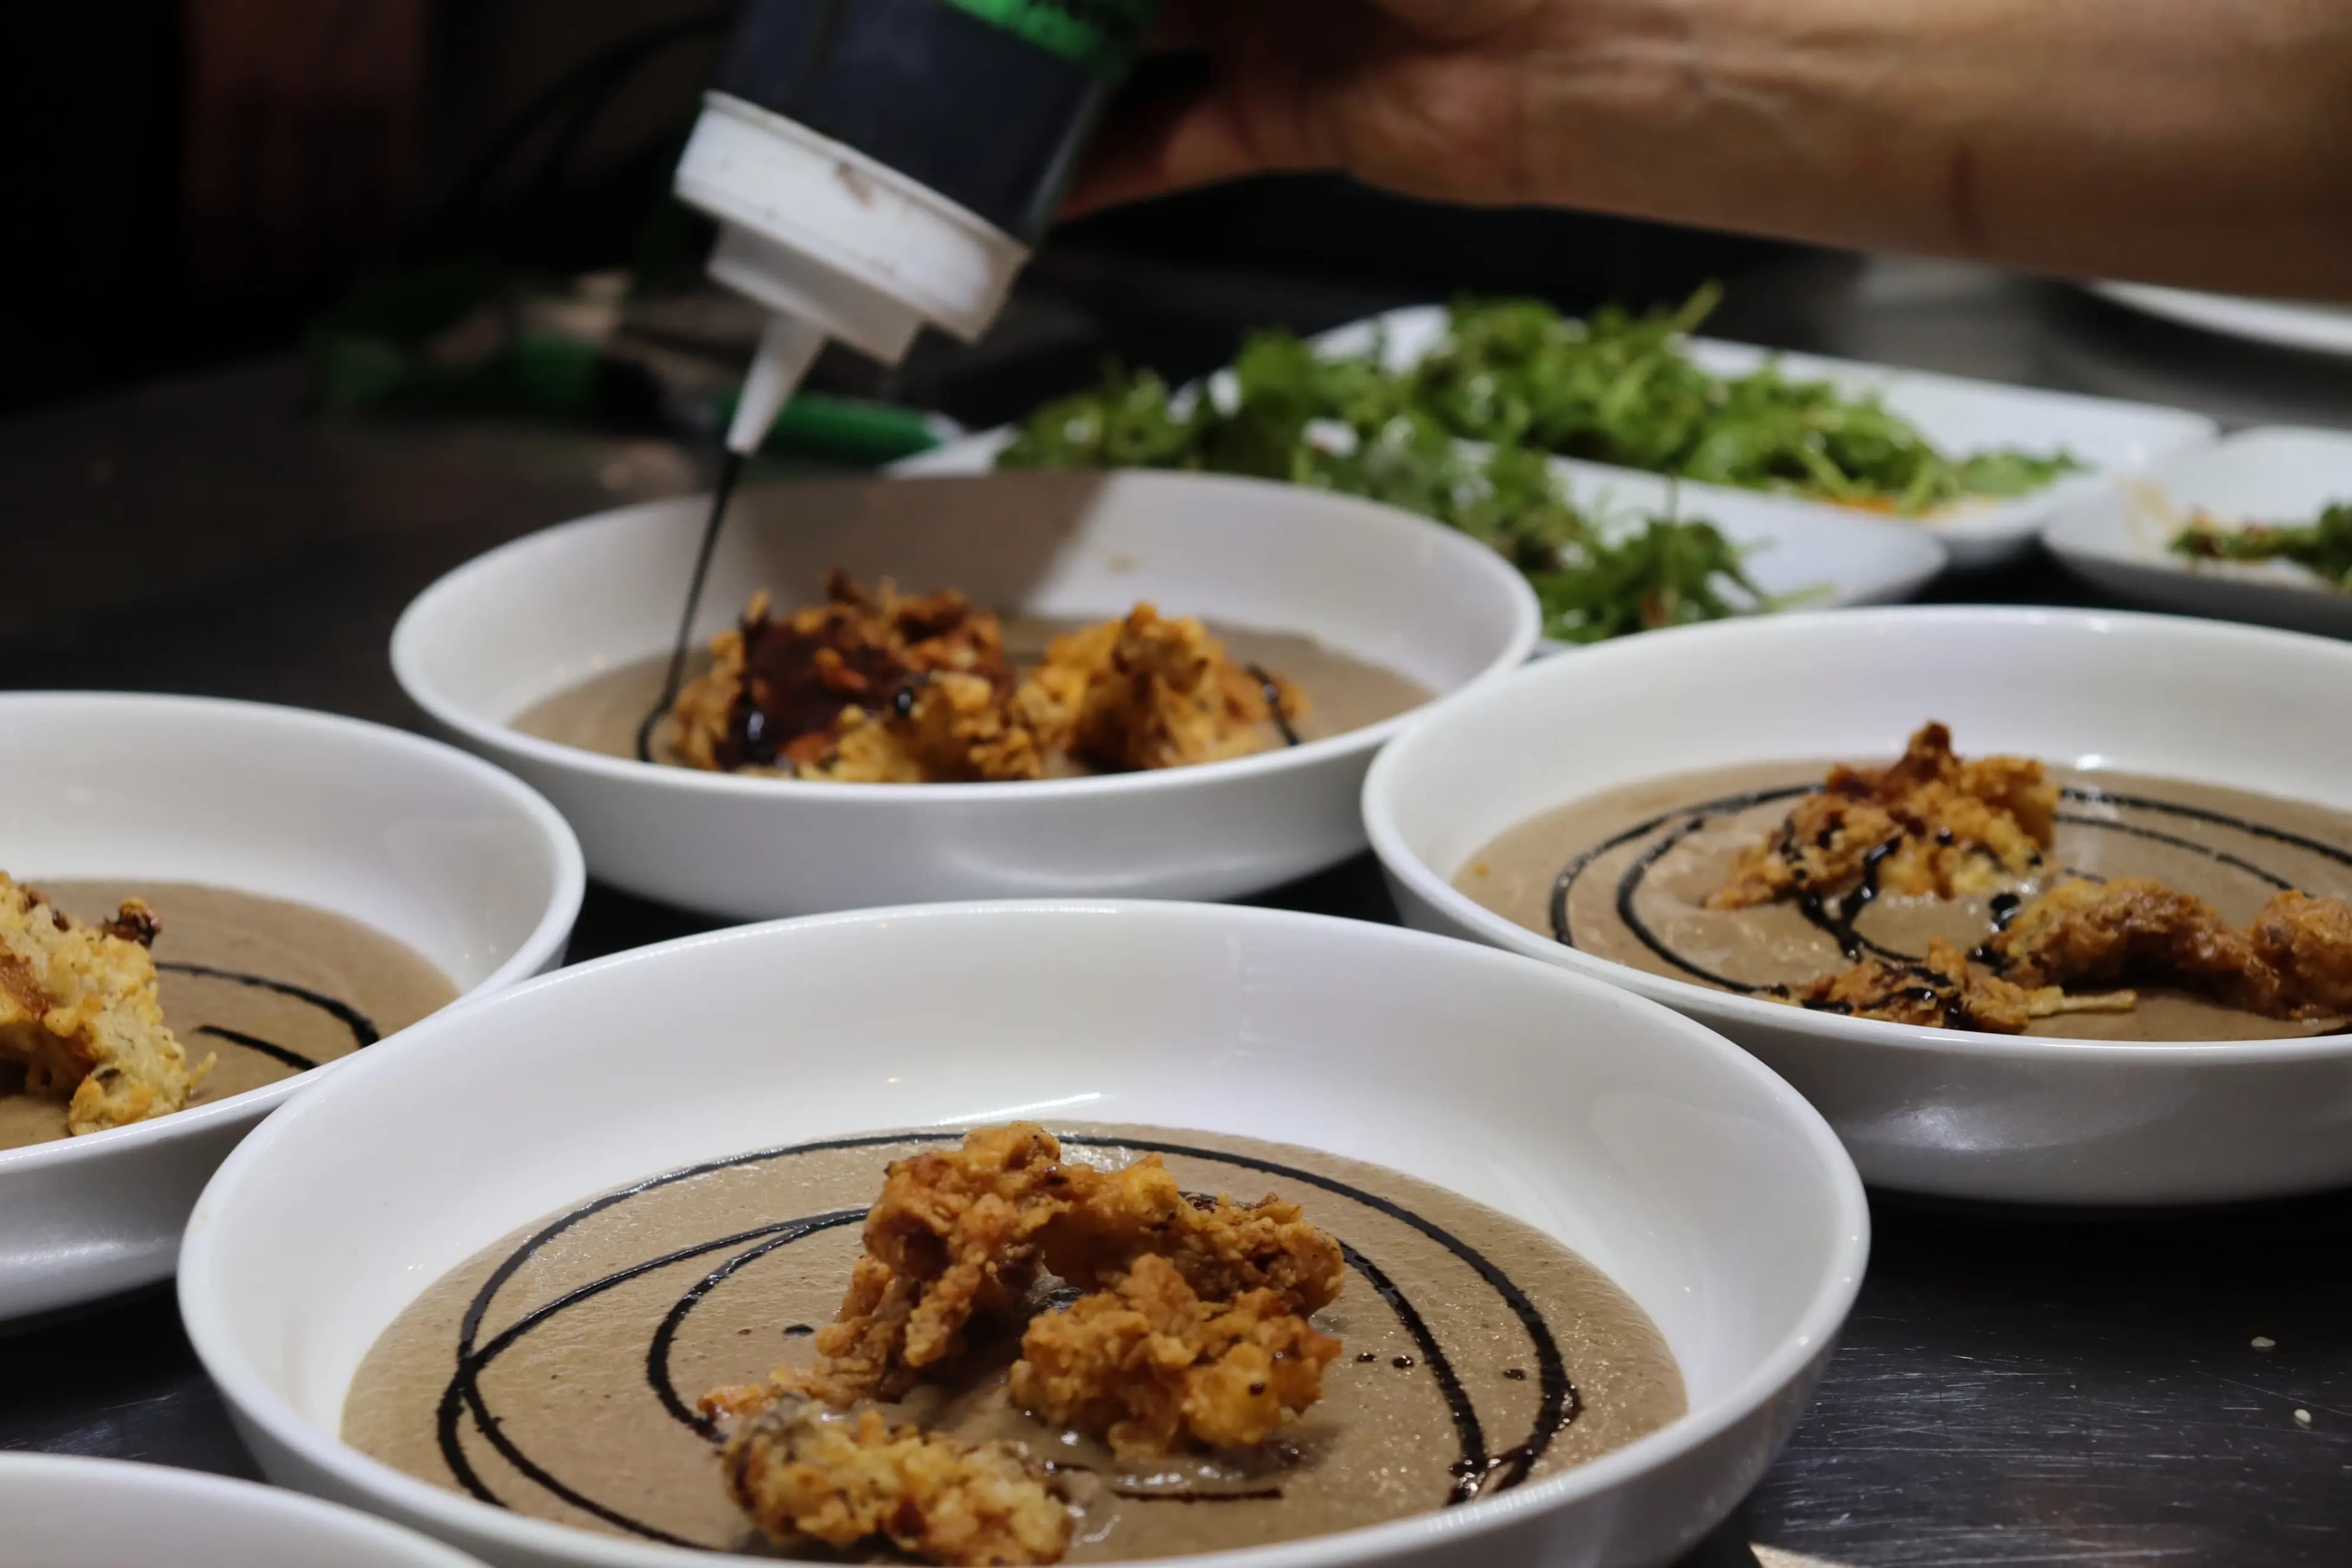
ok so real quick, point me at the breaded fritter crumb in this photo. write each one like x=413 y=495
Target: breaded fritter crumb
x=1150 y=1366
x=2294 y=962
x=1930 y=825
x=874 y=688
x=1944 y=992
x=801 y=1470
x=81 y=1011
x=1162 y=693
x=954 y=1233
x=1222 y=1248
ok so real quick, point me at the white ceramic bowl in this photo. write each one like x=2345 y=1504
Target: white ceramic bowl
x=1696 y=1179
x=424 y=843
x=2120 y=539
x=63 y=1512
x=496 y=637
x=1822 y=557
x=1931 y=1111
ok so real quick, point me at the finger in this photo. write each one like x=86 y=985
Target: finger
x=1172 y=144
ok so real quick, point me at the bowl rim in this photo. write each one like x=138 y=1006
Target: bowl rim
x=1786 y=1364
x=408 y=657
x=1731 y=1011
x=547 y=938
x=267 y=1506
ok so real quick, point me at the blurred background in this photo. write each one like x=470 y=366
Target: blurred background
x=202 y=180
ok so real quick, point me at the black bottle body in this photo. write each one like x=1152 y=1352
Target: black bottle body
x=987 y=103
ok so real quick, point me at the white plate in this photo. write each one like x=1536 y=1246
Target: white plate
x=424 y=843
x=2284 y=323
x=1694 y=1177
x=494 y=637
x=2118 y=539
x=1960 y=416
x=1931 y=1111
x=66 y=1512
x=1823 y=557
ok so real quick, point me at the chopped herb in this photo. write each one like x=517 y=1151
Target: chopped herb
x=1621 y=388
x=2323 y=548
x=1279 y=426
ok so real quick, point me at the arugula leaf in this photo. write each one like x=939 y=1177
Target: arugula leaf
x=1350 y=426
x=2323 y=548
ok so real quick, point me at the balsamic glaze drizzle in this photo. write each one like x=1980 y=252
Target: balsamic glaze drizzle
x=1837 y=917
x=362 y=1028
x=1273 y=694
x=294 y=1060
x=730 y=473
x=1558 y=1403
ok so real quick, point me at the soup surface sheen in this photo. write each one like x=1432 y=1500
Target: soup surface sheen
x=1480 y=1353
x=1653 y=851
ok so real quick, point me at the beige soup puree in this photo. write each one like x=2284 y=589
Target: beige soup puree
x=1625 y=875
x=269 y=987
x=555 y=1372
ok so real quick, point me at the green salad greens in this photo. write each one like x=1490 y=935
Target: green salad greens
x=2323 y=548
x=1343 y=425
x=1621 y=388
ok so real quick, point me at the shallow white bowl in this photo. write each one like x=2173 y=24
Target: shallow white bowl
x=1958 y=414
x=420 y=841
x=2118 y=539
x=1799 y=551
x=2283 y=323
x=1931 y=1111
x=63 y=1513
x=496 y=637
x=1696 y=1179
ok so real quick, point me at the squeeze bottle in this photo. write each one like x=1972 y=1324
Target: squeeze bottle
x=878 y=165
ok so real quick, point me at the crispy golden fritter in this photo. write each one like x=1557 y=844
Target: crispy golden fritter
x=879 y=688
x=2294 y=962
x=1931 y=824
x=1944 y=992
x=2310 y=941
x=1224 y=1249
x=954 y=1233
x=1162 y=693
x=80 y=1010
x=779 y=685
x=944 y=729
x=801 y=1470
x=1150 y=1366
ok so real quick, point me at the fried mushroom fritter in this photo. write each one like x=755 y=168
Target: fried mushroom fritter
x=779 y=686
x=1222 y=1249
x=1155 y=1369
x=1152 y=692
x=875 y=688
x=801 y=1470
x=81 y=1013
x=1944 y=992
x=954 y=1233
x=1930 y=824
x=2294 y=962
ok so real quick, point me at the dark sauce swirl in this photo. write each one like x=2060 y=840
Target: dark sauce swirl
x=1837 y=917
x=1476 y=1471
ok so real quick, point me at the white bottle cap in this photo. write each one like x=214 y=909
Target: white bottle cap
x=818 y=231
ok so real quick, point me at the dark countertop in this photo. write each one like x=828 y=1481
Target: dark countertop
x=2014 y=1388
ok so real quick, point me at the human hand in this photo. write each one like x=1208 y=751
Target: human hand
x=1439 y=98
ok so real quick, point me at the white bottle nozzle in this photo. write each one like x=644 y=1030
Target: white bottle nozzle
x=787 y=349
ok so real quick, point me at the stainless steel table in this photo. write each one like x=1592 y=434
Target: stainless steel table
x=2014 y=1388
